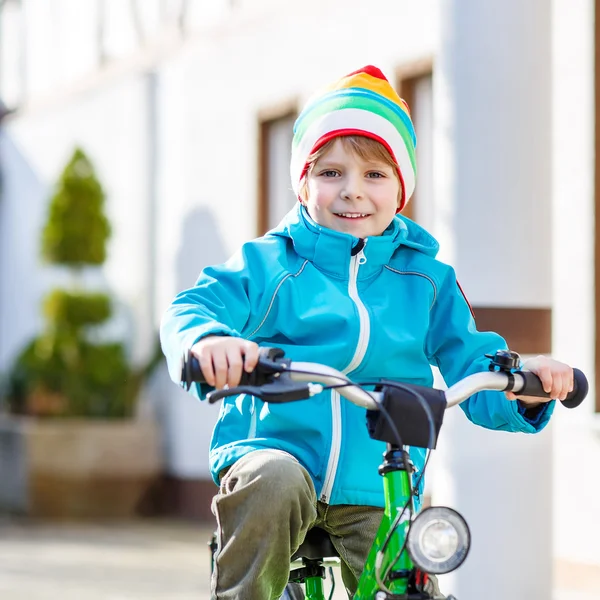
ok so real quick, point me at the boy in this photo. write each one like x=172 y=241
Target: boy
x=345 y=281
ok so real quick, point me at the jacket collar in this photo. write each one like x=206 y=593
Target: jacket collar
x=331 y=251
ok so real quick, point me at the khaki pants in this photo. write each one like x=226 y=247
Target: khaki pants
x=265 y=505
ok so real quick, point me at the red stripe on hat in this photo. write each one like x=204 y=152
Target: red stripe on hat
x=405 y=105
x=370 y=70
x=347 y=132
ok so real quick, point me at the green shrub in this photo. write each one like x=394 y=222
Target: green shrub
x=76 y=231
x=67 y=377
x=73 y=310
x=62 y=372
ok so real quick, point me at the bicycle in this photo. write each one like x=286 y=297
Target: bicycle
x=408 y=545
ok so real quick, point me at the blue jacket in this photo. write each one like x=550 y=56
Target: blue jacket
x=391 y=311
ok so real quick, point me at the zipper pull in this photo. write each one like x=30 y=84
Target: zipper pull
x=359 y=246
x=362 y=259
x=359 y=251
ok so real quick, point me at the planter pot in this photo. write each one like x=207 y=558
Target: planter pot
x=77 y=468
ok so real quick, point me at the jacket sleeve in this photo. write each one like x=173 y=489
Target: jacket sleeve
x=219 y=304
x=458 y=349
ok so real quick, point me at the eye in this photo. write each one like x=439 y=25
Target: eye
x=329 y=173
x=375 y=175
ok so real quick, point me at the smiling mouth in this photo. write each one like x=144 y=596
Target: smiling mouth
x=351 y=215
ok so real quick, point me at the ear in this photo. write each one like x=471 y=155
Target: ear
x=399 y=205
x=303 y=192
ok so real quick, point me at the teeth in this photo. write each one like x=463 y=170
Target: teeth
x=351 y=215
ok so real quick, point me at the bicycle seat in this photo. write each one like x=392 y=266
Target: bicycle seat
x=317 y=544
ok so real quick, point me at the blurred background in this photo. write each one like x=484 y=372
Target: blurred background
x=143 y=140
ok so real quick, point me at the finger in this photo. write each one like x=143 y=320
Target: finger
x=219 y=360
x=510 y=395
x=205 y=359
x=567 y=383
x=566 y=386
x=545 y=375
x=571 y=380
x=235 y=364
x=558 y=387
x=561 y=383
x=250 y=356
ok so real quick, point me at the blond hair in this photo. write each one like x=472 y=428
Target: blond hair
x=364 y=147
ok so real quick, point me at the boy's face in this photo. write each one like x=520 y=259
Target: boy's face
x=350 y=194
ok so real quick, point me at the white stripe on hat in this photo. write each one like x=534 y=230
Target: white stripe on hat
x=352 y=118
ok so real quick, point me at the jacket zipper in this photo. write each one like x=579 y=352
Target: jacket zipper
x=359 y=354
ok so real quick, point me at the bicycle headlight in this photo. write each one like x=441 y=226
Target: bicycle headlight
x=438 y=540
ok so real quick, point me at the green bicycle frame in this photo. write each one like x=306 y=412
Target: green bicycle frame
x=397 y=487
x=313 y=588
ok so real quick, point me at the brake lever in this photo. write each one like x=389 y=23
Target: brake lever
x=280 y=390
x=217 y=395
x=283 y=389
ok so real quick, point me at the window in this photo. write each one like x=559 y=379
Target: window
x=275 y=195
x=414 y=85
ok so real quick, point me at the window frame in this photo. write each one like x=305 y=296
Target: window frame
x=266 y=118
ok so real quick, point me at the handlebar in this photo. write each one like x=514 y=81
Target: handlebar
x=277 y=379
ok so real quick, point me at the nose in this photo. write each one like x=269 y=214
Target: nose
x=352 y=189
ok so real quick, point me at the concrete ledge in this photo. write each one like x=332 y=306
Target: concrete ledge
x=77 y=468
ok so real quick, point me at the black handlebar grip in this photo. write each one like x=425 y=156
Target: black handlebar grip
x=191 y=372
x=270 y=361
x=533 y=387
x=580 y=390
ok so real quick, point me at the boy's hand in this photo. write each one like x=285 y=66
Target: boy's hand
x=222 y=359
x=556 y=377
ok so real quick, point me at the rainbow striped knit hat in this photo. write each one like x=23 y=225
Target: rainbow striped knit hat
x=361 y=103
